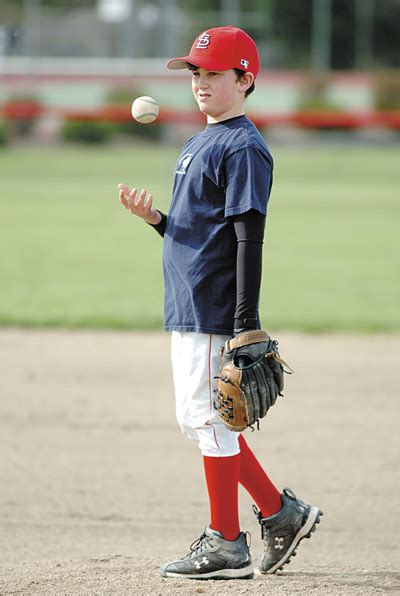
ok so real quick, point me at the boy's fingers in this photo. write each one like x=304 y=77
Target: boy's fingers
x=137 y=204
x=149 y=202
x=140 y=200
x=122 y=199
x=124 y=188
x=131 y=197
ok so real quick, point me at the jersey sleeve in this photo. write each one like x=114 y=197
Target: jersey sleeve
x=248 y=181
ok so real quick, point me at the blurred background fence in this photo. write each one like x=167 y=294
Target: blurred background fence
x=326 y=64
x=317 y=34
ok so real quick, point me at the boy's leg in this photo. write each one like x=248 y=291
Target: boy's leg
x=255 y=480
x=195 y=362
x=222 y=551
x=285 y=520
x=222 y=476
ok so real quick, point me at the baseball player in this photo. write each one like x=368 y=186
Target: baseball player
x=212 y=258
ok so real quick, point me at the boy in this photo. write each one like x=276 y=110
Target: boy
x=212 y=252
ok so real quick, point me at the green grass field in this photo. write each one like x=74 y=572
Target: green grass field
x=73 y=257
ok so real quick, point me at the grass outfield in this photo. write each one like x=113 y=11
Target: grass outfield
x=73 y=257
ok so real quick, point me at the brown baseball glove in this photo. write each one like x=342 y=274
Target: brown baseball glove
x=250 y=379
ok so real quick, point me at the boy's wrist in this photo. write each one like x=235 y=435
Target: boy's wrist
x=154 y=219
x=246 y=324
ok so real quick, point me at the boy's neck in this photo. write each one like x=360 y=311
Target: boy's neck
x=235 y=111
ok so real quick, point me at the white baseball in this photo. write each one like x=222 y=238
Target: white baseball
x=145 y=109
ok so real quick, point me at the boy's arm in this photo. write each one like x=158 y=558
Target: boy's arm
x=249 y=229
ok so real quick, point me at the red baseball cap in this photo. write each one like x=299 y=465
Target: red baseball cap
x=221 y=48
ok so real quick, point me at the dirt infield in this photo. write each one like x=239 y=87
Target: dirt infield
x=98 y=488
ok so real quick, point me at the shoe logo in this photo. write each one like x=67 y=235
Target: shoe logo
x=204 y=561
x=184 y=163
x=203 y=41
x=278 y=543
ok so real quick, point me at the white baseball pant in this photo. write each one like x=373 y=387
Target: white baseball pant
x=195 y=362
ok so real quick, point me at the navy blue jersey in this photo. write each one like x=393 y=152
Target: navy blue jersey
x=223 y=171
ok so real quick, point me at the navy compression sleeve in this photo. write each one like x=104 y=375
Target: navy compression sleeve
x=249 y=229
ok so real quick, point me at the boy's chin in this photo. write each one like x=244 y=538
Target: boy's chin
x=205 y=109
x=208 y=112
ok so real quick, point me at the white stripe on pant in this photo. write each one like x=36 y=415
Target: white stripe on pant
x=195 y=363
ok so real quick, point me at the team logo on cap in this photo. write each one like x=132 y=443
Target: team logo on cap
x=244 y=63
x=203 y=41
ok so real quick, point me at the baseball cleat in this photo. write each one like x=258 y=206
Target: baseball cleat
x=212 y=557
x=283 y=531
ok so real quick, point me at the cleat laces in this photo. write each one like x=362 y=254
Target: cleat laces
x=199 y=545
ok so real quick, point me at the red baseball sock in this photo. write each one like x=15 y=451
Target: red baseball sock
x=256 y=481
x=222 y=476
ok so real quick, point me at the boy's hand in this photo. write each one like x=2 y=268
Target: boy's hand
x=138 y=205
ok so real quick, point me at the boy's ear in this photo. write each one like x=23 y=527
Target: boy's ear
x=246 y=81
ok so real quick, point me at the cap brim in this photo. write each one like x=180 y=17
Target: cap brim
x=179 y=63
x=182 y=62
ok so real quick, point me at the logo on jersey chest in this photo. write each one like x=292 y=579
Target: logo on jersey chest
x=183 y=163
